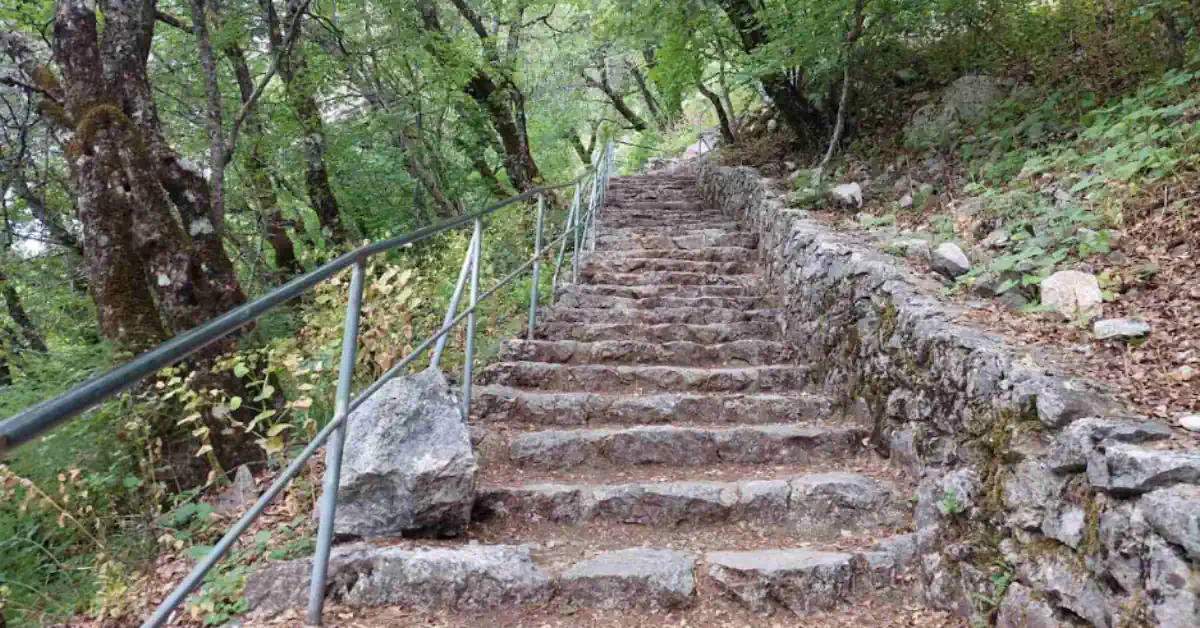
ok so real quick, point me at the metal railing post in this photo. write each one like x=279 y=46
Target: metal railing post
x=537 y=255
x=579 y=219
x=469 y=359
x=453 y=306
x=562 y=248
x=333 y=451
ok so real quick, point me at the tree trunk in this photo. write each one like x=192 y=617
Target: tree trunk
x=428 y=178
x=130 y=184
x=585 y=155
x=726 y=129
x=286 y=263
x=497 y=103
x=648 y=97
x=16 y=311
x=300 y=97
x=786 y=94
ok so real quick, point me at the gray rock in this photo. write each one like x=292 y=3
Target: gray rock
x=1028 y=491
x=239 y=495
x=799 y=580
x=911 y=247
x=963 y=102
x=1072 y=294
x=1059 y=573
x=1065 y=523
x=1171 y=582
x=1022 y=609
x=474 y=578
x=949 y=260
x=1060 y=401
x=1071 y=449
x=847 y=195
x=1190 y=423
x=830 y=502
x=996 y=239
x=637 y=577
x=906 y=201
x=1120 y=328
x=408 y=465
x=1174 y=513
x=1129 y=469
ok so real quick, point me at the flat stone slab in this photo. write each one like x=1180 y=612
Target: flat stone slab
x=636 y=577
x=685 y=446
x=744 y=352
x=659 y=316
x=668 y=332
x=820 y=504
x=638 y=378
x=801 y=581
x=571 y=409
x=473 y=578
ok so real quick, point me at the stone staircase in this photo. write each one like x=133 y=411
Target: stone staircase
x=654 y=448
x=656 y=433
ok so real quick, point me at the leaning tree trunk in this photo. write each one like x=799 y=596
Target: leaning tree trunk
x=726 y=129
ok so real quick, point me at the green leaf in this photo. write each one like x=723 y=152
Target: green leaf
x=235 y=403
x=240 y=369
x=277 y=429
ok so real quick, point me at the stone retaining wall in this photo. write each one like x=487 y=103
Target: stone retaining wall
x=1041 y=503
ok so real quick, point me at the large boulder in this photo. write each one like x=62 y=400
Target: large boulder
x=408 y=466
x=963 y=103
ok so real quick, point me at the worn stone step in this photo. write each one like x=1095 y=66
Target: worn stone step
x=663 y=224
x=615 y=206
x=714 y=229
x=566 y=409
x=690 y=315
x=671 y=277
x=697 y=240
x=669 y=332
x=636 y=264
x=799 y=580
x=643 y=378
x=820 y=505
x=661 y=290
x=711 y=254
x=738 y=352
x=684 y=446
x=631 y=585
x=571 y=298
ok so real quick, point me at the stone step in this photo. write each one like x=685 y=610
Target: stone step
x=684 y=446
x=671 y=277
x=664 y=290
x=819 y=505
x=676 y=241
x=711 y=254
x=493 y=404
x=638 y=378
x=630 y=586
x=663 y=224
x=636 y=264
x=713 y=229
x=670 y=332
x=738 y=352
x=616 y=206
x=690 y=315
x=572 y=298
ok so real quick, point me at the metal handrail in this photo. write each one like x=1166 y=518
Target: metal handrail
x=34 y=421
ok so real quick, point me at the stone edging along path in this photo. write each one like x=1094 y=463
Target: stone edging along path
x=1042 y=502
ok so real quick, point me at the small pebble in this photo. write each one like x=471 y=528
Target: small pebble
x=1190 y=423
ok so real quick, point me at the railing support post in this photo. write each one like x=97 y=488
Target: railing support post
x=452 y=308
x=537 y=256
x=469 y=359
x=333 y=451
x=562 y=248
